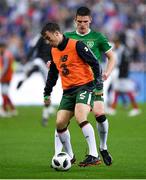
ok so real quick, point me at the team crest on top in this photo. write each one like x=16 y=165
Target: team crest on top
x=90 y=44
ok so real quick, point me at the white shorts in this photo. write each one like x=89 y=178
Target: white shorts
x=124 y=85
x=5 y=88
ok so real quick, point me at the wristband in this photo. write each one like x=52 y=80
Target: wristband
x=46 y=97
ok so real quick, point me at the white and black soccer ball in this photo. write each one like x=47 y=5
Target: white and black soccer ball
x=61 y=161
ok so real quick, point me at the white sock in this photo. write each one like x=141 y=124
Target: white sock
x=51 y=110
x=90 y=138
x=103 y=133
x=45 y=112
x=58 y=144
x=65 y=139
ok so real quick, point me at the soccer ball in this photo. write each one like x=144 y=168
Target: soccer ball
x=61 y=161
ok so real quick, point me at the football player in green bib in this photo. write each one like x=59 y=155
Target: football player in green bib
x=99 y=44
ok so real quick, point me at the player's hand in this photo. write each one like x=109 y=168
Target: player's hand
x=99 y=84
x=48 y=64
x=47 y=100
x=19 y=84
x=98 y=87
x=105 y=76
x=98 y=92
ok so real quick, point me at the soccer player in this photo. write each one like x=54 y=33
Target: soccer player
x=123 y=85
x=6 y=73
x=36 y=62
x=75 y=64
x=99 y=44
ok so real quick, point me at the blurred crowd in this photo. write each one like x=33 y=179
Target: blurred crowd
x=20 y=21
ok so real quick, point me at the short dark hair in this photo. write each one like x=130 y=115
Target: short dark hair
x=51 y=27
x=83 y=11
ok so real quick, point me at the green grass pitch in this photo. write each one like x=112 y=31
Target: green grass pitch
x=26 y=148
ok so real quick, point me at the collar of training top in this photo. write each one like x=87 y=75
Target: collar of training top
x=63 y=44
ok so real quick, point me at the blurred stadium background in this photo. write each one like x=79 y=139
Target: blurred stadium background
x=21 y=21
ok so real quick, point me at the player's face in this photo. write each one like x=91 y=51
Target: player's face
x=53 y=38
x=83 y=23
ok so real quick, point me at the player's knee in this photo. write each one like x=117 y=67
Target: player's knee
x=82 y=124
x=80 y=117
x=61 y=130
x=98 y=108
x=60 y=124
x=81 y=113
x=99 y=113
x=101 y=118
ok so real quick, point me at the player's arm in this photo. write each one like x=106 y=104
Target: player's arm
x=106 y=48
x=110 y=64
x=87 y=56
x=50 y=83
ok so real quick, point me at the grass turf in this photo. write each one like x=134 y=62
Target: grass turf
x=26 y=148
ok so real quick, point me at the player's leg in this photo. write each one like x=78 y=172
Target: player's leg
x=4 y=110
x=28 y=70
x=5 y=97
x=135 y=111
x=84 y=102
x=102 y=127
x=63 y=117
x=65 y=113
x=42 y=67
x=123 y=97
x=45 y=115
x=117 y=86
x=128 y=86
x=8 y=107
x=112 y=109
x=112 y=79
x=47 y=109
x=58 y=143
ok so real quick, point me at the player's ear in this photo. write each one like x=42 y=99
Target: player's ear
x=90 y=19
x=75 y=19
x=57 y=33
